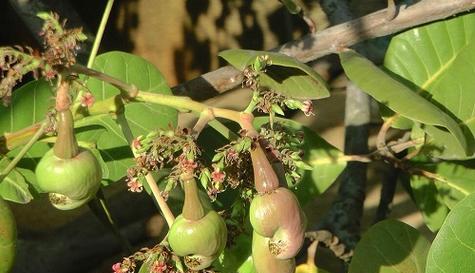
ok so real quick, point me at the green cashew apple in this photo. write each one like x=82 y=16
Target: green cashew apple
x=69 y=182
x=198 y=234
x=71 y=175
x=7 y=237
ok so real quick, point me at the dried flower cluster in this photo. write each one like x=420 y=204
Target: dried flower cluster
x=60 y=50
x=163 y=149
x=15 y=62
x=60 y=44
x=286 y=146
x=231 y=167
x=267 y=100
x=159 y=259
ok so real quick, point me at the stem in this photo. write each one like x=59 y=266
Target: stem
x=63 y=100
x=100 y=33
x=311 y=251
x=245 y=121
x=187 y=104
x=192 y=208
x=164 y=208
x=101 y=210
x=114 y=105
x=391 y=11
x=167 y=213
x=205 y=117
x=381 y=138
x=252 y=104
x=436 y=177
x=23 y=151
x=223 y=130
x=130 y=89
x=265 y=178
x=66 y=145
x=389 y=181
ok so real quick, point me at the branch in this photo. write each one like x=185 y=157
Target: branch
x=328 y=41
x=344 y=217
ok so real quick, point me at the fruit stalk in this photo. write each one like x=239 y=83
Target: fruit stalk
x=265 y=178
x=66 y=145
x=192 y=208
x=198 y=234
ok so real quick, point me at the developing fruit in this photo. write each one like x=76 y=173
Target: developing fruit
x=264 y=261
x=71 y=175
x=199 y=233
x=276 y=217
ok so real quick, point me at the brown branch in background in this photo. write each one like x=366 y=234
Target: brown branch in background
x=344 y=217
x=391 y=10
x=308 y=48
x=389 y=181
x=328 y=41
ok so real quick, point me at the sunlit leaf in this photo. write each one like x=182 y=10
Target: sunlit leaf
x=401 y=99
x=141 y=117
x=453 y=248
x=390 y=246
x=285 y=75
x=437 y=62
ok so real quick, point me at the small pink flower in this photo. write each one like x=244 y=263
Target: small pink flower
x=188 y=165
x=217 y=175
x=136 y=144
x=117 y=268
x=232 y=155
x=87 y=100
x=135 y=185
x=158 y=267
x=49 y=74
x=307 y=108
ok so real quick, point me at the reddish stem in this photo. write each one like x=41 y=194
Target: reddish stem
x=66 y=146
x=265 y=178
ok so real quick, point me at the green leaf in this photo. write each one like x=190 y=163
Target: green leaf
x=236 y=258
x=14 y=187
x=327 y=162
x=453 y=249
x=29 y=105
x=141 y=117
x=390 y=246
x=454 y=179
x=292 y=6
x=429 y=202
x=102 y=163
x=30 y=177
x=401 y=99
x=285 y=75
x=437 y=61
